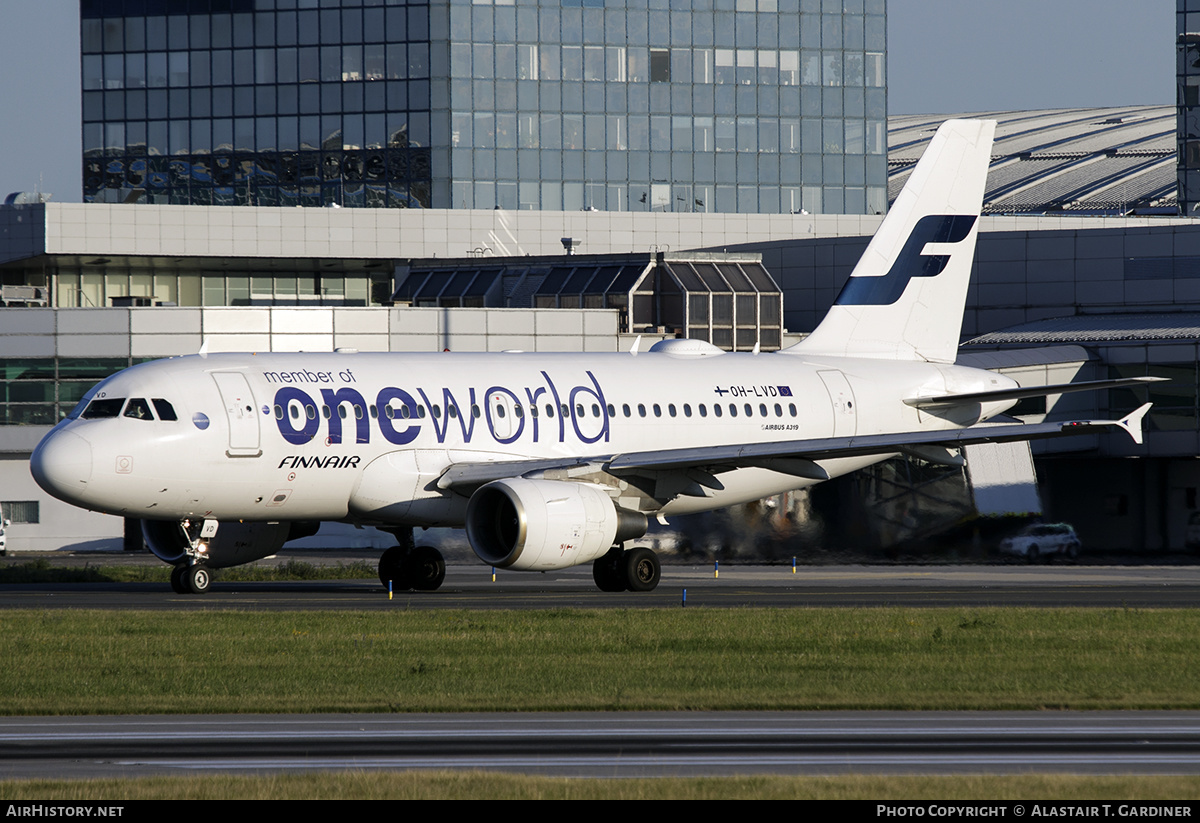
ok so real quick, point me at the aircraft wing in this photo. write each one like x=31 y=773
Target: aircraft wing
x=797 y=457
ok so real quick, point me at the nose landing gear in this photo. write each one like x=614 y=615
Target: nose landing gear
x=194 y=579
x=192 y=576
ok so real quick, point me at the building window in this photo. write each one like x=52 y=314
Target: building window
x=20 y=511
x=660 y=66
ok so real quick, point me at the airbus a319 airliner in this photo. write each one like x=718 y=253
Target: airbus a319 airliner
x=551 y=460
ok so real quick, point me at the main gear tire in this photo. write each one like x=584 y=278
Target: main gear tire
x=642 y=570
x=607 y=572
x=393 y=569
x=426 y=568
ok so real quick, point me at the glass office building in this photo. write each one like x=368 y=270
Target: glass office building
x=1187 y=44
x=757 y=106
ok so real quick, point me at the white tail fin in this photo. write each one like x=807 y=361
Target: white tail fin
x=905 y=298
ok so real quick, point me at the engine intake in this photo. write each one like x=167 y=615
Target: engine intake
x=546 y=524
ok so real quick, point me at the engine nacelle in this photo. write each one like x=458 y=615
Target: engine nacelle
x=546 y=524
x=233 y=544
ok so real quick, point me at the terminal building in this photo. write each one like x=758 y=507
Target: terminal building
x=753 y=106
x=1096 y=294
x=436 y=175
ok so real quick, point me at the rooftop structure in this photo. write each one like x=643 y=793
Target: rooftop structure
x=728 y=300
x=1079 y=161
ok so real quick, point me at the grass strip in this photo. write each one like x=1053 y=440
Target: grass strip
x=489 y=786
x=98 y=662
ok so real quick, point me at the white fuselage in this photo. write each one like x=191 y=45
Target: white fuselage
x=365 y=436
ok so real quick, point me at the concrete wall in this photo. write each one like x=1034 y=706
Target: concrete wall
x=228 y=231
x=165 y=332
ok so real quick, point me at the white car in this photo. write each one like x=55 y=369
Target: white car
x=1043 y=540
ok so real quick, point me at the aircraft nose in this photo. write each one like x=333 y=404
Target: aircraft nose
x=62 y=464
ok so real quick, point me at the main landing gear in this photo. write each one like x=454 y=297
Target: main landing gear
x=407 y=566
x=636 y=570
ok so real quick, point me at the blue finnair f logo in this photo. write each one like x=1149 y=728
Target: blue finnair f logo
x=886 y=289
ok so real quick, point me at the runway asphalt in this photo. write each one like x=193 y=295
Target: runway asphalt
x=610 y=744
x=471 y=587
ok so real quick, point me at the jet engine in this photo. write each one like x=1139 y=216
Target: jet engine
x=546 y=524
x=233 y=543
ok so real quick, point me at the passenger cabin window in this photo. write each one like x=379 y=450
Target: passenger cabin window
x=105 y=407
x=167 y=412
x=138 y=409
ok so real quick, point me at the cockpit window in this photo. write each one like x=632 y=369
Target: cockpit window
x=138 y=409
x=79 y=407
x=165 y=410
x=102 y=408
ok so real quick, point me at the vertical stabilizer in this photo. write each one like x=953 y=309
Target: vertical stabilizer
x=905 y=298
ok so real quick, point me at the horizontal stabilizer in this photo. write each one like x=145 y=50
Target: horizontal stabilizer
x=1032 y=391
